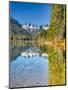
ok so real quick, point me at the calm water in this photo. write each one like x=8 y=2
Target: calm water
x=36 y=65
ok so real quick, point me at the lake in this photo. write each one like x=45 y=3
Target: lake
x=33 y=64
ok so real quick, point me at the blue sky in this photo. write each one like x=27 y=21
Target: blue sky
x=34 y=13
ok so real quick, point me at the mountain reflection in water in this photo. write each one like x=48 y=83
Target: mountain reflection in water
x=33 y=51
x=36 y=65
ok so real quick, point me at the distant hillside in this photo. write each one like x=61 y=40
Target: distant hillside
x=16 y=27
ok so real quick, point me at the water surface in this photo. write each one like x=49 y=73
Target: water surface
x=36 y=65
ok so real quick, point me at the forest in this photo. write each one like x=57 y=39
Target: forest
x=57 y=29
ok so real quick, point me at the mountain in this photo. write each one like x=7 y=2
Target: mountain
x=25 y=29
x=34 y=29
x=17 y=28
x=31 y=28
